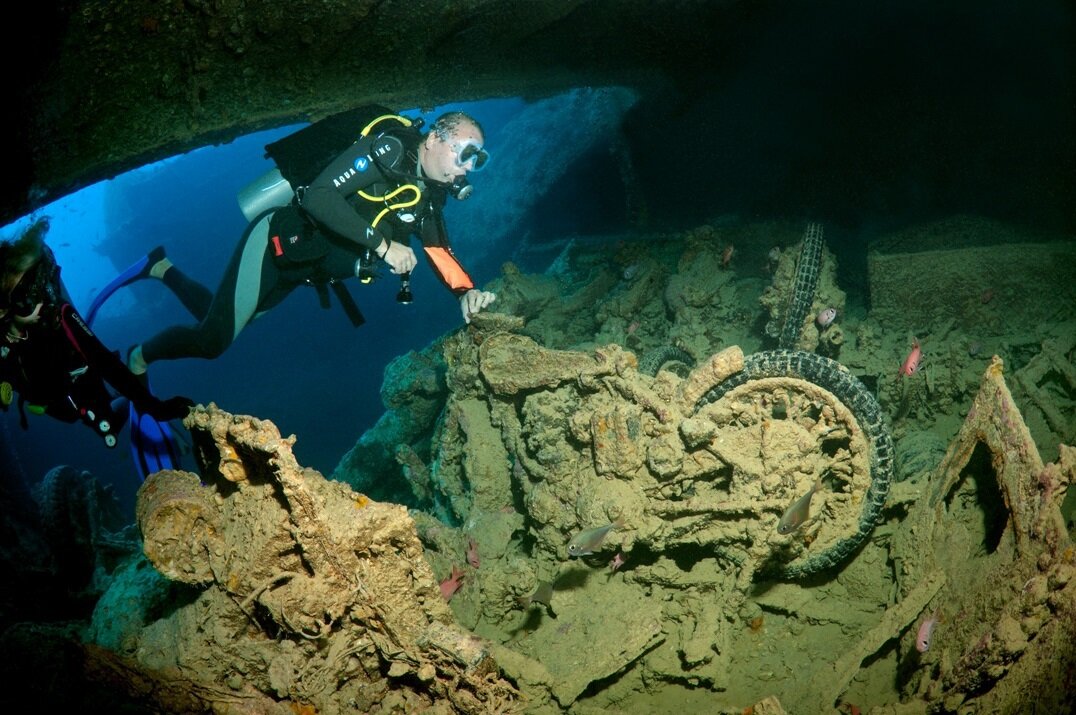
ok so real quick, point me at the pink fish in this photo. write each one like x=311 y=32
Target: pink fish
x=925 y=636
x=911 y=363
x=452 y=584
x=472 y=553
x=826 y=317
x=617 y=561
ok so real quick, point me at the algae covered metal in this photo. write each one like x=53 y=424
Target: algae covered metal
x=644 y=400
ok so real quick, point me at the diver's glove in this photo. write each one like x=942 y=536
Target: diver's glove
x=164 y=410
x=473 y=301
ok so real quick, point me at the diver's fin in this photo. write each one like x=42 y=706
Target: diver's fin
x=121 y=410
x=153 y=444
x=138 y=270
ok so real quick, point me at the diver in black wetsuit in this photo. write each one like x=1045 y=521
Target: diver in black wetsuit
x=51 y=358
x=389 y=185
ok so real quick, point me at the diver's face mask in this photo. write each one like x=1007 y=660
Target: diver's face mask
x=470 y=156
x=21 y=290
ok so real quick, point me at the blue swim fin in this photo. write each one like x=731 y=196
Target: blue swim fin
x=139 y=269
x=153 y=444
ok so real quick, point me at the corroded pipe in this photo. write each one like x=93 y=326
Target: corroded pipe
x=177 y=518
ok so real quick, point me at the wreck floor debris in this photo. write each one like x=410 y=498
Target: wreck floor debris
x=265 y=587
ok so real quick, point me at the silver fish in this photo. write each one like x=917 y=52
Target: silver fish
x=796 y=514
x=588 y=541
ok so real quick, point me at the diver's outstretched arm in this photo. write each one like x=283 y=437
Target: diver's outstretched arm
x=115 y=372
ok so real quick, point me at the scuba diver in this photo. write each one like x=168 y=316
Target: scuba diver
x=354 y=187
x=51 y=357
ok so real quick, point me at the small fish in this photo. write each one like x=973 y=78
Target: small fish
x=796 y=514
x=911 y=363
x=588 y=541
x=542 y=594
x=925 y=637
x=472 y=553
x=826 y=317
x=452 y=584
x=617 y=561
x=726 y=255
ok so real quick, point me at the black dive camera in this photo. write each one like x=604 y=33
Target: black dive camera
x=404 y=297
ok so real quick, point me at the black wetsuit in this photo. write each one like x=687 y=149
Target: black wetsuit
x=58 y=364
x=316 y=240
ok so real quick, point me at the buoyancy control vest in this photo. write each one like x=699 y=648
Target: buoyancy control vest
x=302 y=155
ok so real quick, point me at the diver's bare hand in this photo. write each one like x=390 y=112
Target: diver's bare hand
x=400 y=258
x=473 y=301
x=15 y=331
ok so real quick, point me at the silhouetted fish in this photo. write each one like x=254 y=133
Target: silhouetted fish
x=542 y=594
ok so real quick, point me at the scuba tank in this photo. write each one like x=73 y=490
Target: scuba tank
x=268 y=191
x=302 y=155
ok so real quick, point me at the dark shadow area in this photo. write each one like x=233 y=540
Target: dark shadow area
x=870 y=117
x=978 y=490
x=590 y=199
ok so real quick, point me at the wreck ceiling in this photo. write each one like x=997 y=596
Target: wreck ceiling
x=107 y=86
x=807 y=109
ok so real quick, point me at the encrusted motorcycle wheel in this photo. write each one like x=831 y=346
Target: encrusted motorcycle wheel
x=816 y=426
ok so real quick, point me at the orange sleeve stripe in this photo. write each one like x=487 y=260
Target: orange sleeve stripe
x=448 y=268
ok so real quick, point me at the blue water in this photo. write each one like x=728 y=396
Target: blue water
x=867 y=118
x=306 y=369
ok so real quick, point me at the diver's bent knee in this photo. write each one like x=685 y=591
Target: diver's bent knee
x=213 y=347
